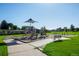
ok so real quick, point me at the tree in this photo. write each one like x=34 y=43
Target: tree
x=0 y=26
x=72 y=27
x=10 y=25
x=15 y=27
x=65 y=29
x=23 y=27
x=43 y=31
x=4 y=25
x=59 y=29
x=77 y=29
x=18 y=28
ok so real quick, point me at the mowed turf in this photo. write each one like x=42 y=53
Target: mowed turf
x=63 y=33
x=63 y=48
x=3 y=46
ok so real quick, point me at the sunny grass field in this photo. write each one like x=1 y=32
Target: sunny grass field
x=63 y=48
x=3 y=46
x=63 y=33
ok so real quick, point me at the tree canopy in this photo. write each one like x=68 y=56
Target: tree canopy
x=4 y=25
x=8 y=26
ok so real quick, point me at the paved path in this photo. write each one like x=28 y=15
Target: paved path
x=28 y=49
x=24 y=50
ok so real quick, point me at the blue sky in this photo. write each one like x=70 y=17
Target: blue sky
x=49 y=15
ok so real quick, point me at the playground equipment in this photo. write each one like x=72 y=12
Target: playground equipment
x=33 y=31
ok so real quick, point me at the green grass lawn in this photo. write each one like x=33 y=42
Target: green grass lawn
x=64 y=48
x=3 y=46
x=71 y=33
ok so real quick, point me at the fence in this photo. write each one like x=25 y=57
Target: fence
x=8 y=32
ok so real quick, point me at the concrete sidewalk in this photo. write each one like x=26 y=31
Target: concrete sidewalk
x=24 y=50
x=28 y=49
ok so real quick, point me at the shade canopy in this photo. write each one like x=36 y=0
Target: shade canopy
x=30 y=21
